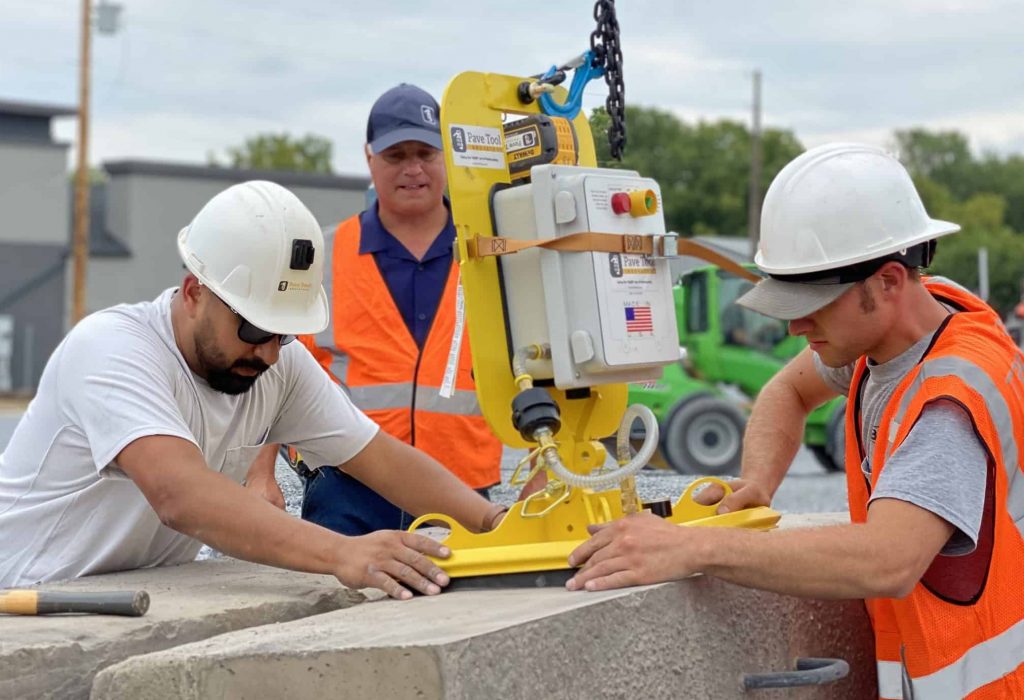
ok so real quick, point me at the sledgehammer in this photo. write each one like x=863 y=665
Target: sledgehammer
x=128 y=603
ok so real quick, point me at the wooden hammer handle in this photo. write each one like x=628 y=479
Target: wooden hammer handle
x=21 y=602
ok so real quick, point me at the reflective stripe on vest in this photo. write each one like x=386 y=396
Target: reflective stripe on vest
x=890 y=680
x=388 y=396
x=982 y=664
x=979 y=380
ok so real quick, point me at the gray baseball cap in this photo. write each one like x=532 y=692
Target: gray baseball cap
x=403 y=113
x=792 y=300
x=788 y=297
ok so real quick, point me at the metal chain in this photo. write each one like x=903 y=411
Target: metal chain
x=604 y=42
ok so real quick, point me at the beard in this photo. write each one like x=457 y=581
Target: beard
x=218 y=370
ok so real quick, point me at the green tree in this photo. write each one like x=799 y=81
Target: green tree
x=703 y=169
x=311 y=153
x=1004 y=176
x=983 y=225
x=984 y=195
x=945 y=157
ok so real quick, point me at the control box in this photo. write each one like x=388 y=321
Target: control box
x=608 y=317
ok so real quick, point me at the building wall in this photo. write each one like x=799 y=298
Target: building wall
x=147 y=204
x=32 y=292
x=34 y=190
x=34 y=200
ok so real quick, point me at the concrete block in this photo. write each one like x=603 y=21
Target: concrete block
x=57 y=656
x=690 y=639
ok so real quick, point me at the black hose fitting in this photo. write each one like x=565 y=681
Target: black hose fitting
x=523 y=92
x=533 y=409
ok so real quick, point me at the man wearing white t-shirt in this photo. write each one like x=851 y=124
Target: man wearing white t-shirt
x=148 y=416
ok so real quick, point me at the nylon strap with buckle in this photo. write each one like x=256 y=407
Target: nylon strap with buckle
x=594 y=242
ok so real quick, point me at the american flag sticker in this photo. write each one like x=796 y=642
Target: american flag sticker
x=639 y=320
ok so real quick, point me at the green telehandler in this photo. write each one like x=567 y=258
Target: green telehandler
x=727 y=353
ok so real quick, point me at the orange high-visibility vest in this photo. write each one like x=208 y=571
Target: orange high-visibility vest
x=369 y=350
x=960 y=632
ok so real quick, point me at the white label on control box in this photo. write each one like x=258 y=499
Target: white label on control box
x=634 y=290
x=632 y=276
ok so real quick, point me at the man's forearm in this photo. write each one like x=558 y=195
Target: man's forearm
x=883 y=558
x=417 y=483
x=832 y=563
x=263 y=466
x=221 y=513
x=773 y=436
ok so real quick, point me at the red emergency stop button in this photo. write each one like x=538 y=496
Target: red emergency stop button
x=620 y=203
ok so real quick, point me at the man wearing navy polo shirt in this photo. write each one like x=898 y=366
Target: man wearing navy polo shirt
x=393 y=286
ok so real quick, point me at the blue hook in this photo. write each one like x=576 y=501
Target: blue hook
x=583 y=74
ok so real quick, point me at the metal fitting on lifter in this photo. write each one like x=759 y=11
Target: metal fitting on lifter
x=534 y=409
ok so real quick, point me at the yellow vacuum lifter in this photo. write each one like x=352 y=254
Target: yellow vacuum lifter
x=546 y=379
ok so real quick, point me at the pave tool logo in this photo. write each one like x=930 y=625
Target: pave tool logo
x=615 y=264
x=283 y=286
x=427 y=112
x=459 y=139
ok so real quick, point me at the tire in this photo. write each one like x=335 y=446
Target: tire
x=703 y=435
x=832 y=455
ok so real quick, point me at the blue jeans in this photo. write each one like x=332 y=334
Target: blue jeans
x=333 y=499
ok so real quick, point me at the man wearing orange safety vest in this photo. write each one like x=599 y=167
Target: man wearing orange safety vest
x=392 y=284
x=934 y=439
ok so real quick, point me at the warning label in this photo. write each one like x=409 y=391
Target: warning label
x=477 y=146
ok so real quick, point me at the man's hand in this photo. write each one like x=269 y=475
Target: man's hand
x=745 y=494
x=632 y=551
x=261 y=480
x=387 y=559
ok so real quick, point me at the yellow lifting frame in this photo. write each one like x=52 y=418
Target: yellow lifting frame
x=539 y=533
x=522 y=543
x=479 y=100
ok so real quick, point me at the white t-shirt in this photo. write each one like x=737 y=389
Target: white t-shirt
x=67 y=510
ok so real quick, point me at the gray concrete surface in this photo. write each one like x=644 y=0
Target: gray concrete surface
x=691 y=639
x=229 y=629
x=57 y=656
x=235 y=630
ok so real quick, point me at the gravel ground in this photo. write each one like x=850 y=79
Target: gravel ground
x=806 y=489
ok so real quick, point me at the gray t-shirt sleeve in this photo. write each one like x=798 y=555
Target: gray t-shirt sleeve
x=837 y=378
x=316 y=416
x=941 y=466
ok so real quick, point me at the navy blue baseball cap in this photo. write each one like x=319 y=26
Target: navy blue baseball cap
x=403 y=113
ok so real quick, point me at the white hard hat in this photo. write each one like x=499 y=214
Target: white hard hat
x=259 y=249
x=829 y=213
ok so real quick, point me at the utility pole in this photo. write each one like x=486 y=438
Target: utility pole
x=80 y=240
x=107 y=15
x=754 y=200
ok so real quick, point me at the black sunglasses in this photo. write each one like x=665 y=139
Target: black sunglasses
x=253 y=335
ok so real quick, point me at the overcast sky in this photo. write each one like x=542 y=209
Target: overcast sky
x=183 y=78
